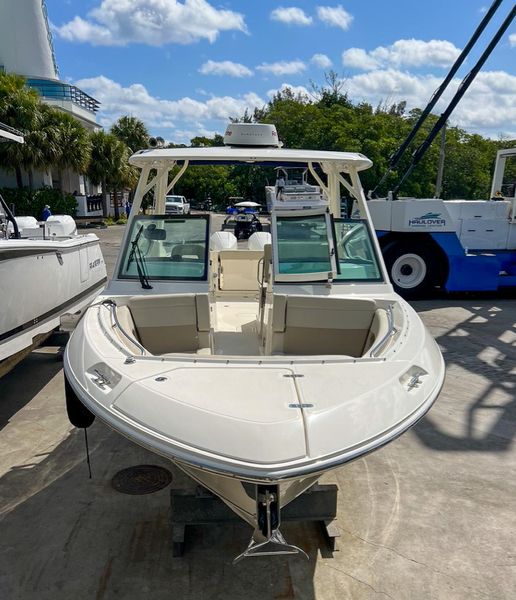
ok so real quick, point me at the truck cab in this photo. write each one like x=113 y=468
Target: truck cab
x=176 y=205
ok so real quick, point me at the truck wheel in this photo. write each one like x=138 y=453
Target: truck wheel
x=414 y=271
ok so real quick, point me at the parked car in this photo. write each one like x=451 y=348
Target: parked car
x=176 y=205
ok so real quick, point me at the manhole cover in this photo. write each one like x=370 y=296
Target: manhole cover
x=143 y=479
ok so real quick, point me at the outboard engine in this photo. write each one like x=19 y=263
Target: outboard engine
x=223 y=240
x=60 y=226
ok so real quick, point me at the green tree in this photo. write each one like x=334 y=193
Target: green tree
x=109 y=167
x=68 y=142
x=202 y=140
x=132 y=132
x=20 y=108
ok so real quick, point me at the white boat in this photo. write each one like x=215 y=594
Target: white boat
x=46 y=272
x=296 y=192
x=256 y=369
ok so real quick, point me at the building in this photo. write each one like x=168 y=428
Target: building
x=26 y=48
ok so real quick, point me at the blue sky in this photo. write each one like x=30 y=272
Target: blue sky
x=185 y=67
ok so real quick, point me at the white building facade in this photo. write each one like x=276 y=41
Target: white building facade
x=26 y=48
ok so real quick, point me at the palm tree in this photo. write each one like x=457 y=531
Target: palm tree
x=132 y=132
x=20 y=108
x=109 y=166
x=68 y=142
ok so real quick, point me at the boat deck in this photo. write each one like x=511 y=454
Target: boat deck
x=236 y=331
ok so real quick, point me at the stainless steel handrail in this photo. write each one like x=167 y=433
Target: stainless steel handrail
x=113 y=306
x=390 y=333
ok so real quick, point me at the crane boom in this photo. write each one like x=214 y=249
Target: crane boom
x=466 y=82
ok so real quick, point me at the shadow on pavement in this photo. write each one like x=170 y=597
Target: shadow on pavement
x=482 y=344
x=67 y=536
x=23 y=383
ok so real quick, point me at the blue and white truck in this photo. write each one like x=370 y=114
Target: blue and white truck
x=457 y=245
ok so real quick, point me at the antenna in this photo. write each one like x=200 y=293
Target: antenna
x=395 y=158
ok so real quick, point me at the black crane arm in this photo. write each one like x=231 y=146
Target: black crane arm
x=396 y=156
x=466 y=82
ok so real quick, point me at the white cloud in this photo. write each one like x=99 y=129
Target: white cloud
x=335 y=16
x=282 y=67
x=152 y=22
x=79 y=30
x=488 y=107
x=358 y=58
x=512 y=40
x=291 y=16
x=225 y=67
x=414 y=53
x=297 y=90
x=321 y=60
x=117 y=100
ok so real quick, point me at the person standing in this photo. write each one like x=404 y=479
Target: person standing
x=280 y=186
x=46 y=213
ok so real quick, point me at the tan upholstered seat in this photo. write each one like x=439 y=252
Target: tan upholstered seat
x=167 y=324
x=239 y=270
x=187 y=252
x=308 y=325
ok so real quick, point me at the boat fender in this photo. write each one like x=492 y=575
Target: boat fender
x=78 y=414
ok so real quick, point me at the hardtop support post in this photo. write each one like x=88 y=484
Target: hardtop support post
x=160 y=190
x=139 y=193
x=332 y=172
x=177 y=177
x=315 y=175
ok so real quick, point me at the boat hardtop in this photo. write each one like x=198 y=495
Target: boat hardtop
x=251 y=155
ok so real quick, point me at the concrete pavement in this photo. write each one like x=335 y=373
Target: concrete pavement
x=430 y=516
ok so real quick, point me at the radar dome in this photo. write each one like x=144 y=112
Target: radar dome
x=251 y=134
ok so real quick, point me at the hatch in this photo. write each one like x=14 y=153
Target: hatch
x=249 y=414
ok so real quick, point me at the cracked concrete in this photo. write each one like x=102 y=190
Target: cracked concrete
x=429 y=517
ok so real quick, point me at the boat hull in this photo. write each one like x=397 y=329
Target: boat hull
x=43 y=280
x=240 y=495
x=147 y=399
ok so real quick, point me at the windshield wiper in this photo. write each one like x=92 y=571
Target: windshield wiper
x=137 y=256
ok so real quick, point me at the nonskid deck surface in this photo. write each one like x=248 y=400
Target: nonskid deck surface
x=236 y=329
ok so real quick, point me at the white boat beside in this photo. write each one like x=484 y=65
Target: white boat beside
x=47 y=270
x=256 y=369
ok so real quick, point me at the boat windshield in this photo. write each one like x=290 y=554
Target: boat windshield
x=303 y=248
x=315 y=247
x=356 y=258
x=171 y=247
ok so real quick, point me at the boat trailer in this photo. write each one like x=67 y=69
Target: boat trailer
x=317 y=504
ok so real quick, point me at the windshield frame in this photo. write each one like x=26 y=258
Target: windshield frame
x=138 y=220
x=303 y=277
x=366 y=224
